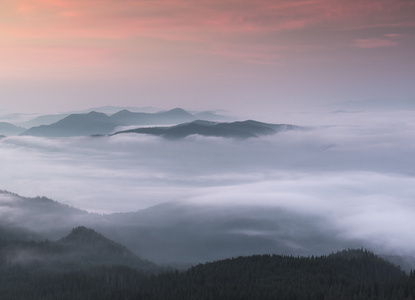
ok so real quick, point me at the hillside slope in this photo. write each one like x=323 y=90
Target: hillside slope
x=82 y=248
x=92 y=123
x=10 y=129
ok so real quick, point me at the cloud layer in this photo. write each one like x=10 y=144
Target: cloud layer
x=358 y=177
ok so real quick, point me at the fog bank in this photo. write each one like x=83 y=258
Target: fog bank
x=354 y=170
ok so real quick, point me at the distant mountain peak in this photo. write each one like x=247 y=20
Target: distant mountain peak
x=123 y=112
x=177 y=111
x=76 y=125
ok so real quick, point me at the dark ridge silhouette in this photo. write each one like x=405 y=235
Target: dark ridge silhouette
x=241 y=129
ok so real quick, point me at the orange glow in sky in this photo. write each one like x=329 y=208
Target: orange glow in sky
x=167 y=51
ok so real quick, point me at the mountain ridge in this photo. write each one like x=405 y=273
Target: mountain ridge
x=7 y=129
x=75 y=125
x=97 y=123
x=239 y=129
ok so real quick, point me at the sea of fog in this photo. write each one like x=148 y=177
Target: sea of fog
x=354 y=170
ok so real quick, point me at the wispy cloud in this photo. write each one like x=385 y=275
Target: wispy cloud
x=206 y=23
x=375 y=43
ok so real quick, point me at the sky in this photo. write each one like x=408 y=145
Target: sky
x=242 y=56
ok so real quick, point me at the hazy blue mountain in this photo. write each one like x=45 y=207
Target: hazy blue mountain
x=174 y=116
x=244 y=129
x=95 y=123
x=212 y=116
x=76 y=125
x=53 y=118
x=15 y=118
x=10 y=129
x=114 y=109
x=43 y=120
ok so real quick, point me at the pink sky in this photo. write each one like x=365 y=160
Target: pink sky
x=58 y=55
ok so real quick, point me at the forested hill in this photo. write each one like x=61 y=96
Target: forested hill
x=351 y=274
x=82 y=249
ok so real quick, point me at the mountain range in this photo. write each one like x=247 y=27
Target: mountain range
x=43 y=120
x=53 y=118
x=75 y=125
x=96 y=123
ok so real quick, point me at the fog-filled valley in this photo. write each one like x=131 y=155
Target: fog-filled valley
x=298 y=184
x=342 y=176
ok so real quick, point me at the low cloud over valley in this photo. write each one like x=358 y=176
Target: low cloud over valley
x=354 y=173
